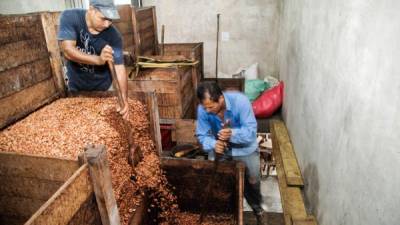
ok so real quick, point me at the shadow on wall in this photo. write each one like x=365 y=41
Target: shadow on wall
x=311 y=190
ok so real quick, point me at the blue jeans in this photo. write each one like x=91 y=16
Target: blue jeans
x=252 y=180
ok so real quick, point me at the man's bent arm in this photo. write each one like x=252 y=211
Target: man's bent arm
x=72 y=53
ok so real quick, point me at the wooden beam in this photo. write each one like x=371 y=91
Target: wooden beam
x=63 y=205
x=289 y=160
x=310 y=220
x=291 y=197
x=154 y=119
x=100 y=175
x=240 y=168
x=50 y=21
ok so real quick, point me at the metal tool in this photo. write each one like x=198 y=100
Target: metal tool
x=216 y=51
x=217 y=159
x=135 y=153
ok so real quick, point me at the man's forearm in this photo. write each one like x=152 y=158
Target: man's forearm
x=122 y=80
x=75 y=55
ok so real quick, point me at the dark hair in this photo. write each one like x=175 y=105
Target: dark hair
x=209 y=87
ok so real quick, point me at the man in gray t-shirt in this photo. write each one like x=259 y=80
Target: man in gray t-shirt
x=89 y=40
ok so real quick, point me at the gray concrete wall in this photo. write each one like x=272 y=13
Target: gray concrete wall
x=340 y=62
x=253 y=27
x=28 y=6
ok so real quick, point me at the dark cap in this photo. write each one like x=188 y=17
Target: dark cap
x=106 y=7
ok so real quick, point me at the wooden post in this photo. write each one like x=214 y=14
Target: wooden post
x=101 y=180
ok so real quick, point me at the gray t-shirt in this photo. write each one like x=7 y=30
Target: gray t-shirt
x=83 y=77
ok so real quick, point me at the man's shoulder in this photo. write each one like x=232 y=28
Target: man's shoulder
x=236 y=96
x=111 y=33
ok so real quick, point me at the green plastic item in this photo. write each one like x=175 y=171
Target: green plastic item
x=253 y=88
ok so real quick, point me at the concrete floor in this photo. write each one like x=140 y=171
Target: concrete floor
x=271 y=202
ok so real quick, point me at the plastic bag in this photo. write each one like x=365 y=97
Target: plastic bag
x=253 y=88
x=269 y=101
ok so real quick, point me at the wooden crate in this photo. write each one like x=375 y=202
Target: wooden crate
x=174 y=87
x=193 y=51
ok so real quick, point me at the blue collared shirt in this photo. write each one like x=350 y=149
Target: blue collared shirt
x=242 y=123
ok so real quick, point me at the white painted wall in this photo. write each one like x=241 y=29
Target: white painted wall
x=252 y=26
x=26 y=6
x=339 y=60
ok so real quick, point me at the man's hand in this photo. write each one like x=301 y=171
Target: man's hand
x=220 y=147
x=225 y=134
x=106 y=55
x=124 y=111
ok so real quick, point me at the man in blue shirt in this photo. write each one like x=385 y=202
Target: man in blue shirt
x=88 y=41
x=226 y=125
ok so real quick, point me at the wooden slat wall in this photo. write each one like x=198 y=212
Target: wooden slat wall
x=66 y=202
x=28 y=182
x=26 y=78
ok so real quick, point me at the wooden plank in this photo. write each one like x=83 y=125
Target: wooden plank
x=155 y=46
x=310 y=220
x=185 y=131
x=145 y=24
x=88 y=213
x=167 y=74
x=291 y=197
x=19 y=206
x=100 y=175
x=49 y=23
x=147 y=34
x=240 y=168
x=127 y=40
x=152 y=86
x=152 y=108
x=20 y=104
x=144 y=13
x=124 y=27
x=63 y=205
x=12 y=220
x=30 y=166
x=125 y=12
x=290 y=165
x=21 y=77
x=26 y=187
x=14 y=28
x=22 y=52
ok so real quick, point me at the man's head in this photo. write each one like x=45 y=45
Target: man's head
x=211 y=97
x=101 y=13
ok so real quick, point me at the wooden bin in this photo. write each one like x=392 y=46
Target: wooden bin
x=190 y=179
x=58 y=190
